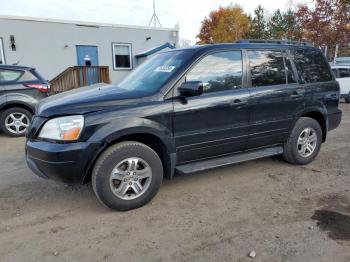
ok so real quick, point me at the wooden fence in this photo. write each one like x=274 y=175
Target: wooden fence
x=78 y=76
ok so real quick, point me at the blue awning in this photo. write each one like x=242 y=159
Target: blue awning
x=154 y=50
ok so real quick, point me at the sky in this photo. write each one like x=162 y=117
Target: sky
x=188 y=14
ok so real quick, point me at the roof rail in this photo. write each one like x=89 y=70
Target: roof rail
x=281 y=42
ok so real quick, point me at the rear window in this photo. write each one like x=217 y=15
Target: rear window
x=312 y=66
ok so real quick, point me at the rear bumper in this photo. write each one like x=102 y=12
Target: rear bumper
x=68 y=163
x=334 y=120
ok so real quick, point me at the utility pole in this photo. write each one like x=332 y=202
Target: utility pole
x=335 y=53
x=154 y=19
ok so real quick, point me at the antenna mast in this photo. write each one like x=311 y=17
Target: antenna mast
x=154 y=19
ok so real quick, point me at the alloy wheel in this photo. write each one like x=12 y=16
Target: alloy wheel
x=307 y=142
x=130 y=178
x=17 y=123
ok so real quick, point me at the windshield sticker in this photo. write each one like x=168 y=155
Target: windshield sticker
x=165 y=69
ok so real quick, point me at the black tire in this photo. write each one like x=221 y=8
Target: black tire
x=347 y=99
x=291 y=153
x=106 y=163
x=16 y=111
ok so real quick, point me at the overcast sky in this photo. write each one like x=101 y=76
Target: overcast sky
x=187 y=13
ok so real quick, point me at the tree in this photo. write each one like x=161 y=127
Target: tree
x=258 y=25
x=327 y=24
x=293 y=31
x=276 y=26
x=284 y=26
x=227 y=24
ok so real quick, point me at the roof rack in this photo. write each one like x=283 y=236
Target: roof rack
x=280 y=42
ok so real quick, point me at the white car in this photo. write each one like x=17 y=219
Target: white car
x=342 y=74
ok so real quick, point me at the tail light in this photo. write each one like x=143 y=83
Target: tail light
x=40 y=87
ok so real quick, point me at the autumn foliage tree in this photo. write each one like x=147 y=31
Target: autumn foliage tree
x=327 y=24
x=227 y=24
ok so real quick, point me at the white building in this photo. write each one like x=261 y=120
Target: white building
x=54 y=45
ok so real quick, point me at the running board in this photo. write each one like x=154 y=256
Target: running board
x=228 y=160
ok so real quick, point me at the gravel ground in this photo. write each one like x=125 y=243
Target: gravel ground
x=282 y=212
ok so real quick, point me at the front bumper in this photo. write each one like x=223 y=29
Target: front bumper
x=68 y=163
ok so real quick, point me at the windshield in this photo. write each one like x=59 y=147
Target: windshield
x=151 y=75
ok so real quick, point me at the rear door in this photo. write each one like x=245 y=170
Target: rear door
x=2 y=89
x=216 y=122
x=276 y=97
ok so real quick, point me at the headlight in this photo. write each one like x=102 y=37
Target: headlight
x=66 y=128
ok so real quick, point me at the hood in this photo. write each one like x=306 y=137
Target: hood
x=87 y=99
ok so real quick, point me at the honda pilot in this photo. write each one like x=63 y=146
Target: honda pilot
x=186 y=110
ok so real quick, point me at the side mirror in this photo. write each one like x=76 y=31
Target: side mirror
x=191 y=88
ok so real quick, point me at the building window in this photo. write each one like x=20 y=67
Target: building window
x=2 y=55
x=122 y=59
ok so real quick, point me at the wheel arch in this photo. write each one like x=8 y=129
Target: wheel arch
x=13 y=104
x=161 y=146
x=321 y=118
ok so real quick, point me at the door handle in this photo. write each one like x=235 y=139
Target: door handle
x=238 y=102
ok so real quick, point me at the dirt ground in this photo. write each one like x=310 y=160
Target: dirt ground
x=282 y=212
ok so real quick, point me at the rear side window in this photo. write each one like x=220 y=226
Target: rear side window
x=28 y=76
x=343 y=72
x=312 y=66
x=219 y=71
x=268 y=68
x=10 y=75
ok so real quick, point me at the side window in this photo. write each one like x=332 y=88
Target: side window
x=267 y=68
x=9 y=75
x=219 y=71
x=343 y=72
x=312 y=66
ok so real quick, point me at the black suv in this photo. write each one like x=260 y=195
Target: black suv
x=21 y=88
x=186 y=110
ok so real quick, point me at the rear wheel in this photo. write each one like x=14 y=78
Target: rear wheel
x=304 y=142
x=15 y=121
x=127 y=176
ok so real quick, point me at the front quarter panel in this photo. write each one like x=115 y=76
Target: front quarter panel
x=152 y=118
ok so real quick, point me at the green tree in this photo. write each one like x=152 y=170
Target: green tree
x=293 y=30
x=276 y=26
x=258 y=25
x=284 y=26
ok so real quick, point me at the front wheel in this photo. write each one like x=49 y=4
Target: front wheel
x=15 y=121
x=127 y=176
x=304 y=142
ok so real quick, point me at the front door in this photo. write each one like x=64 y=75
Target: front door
x=88 y=56
x=276 y=97
x=216 y=122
